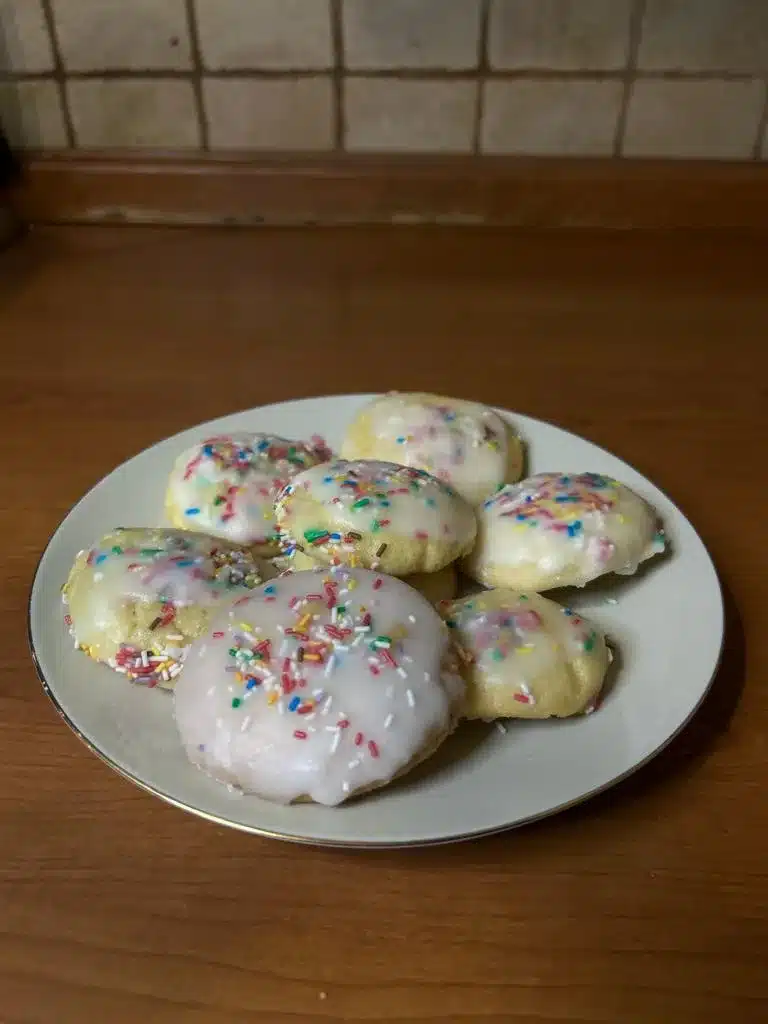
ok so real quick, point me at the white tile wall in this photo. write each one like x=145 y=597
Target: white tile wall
x=544 y=77
x=694 y=119
x=32 y=115
x=159 y=114
x=705 y=35
x=387 y=114
x=389 y=34
x=135 y=35
x=25 y=44
x=562 y=35
x=265 y=34
x=285 y=114
x=547 y=117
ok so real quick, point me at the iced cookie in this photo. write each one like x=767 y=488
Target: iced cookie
x=319 y=686
x=465 y=444
x=560 y=530
x=435 y=586
x=226 y=486
x=375 y=514
x=524 y=656
x=138 y=598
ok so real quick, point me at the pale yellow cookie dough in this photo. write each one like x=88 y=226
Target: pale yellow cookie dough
x=524 y=656
x=377 y=515
x=139 y=597
x=561 y=530
x=435 y=586
x=225 y=486
x=465 y=444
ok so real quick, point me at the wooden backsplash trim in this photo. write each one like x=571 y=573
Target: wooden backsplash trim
x=556 y=193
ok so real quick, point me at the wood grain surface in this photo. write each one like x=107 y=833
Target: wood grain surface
x=648 y=904
x=354 y=188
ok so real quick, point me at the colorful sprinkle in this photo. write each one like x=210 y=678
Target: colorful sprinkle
x=315 y=536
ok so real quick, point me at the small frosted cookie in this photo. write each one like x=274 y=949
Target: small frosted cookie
x=375 y=514
x=226 y=486
x=558 y=530
x=435 y=586
x=319 y=686
x=465 y=444
x=138 y=598
x=524 y=656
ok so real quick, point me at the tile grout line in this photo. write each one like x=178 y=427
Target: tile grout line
x=482 y=74
x=59 y=76
x=636 y=20
x=406 y=74
x=762 y=127
x=197 y=75
x=337 y=75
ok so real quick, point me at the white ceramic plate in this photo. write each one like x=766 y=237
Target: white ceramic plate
x=667 y=623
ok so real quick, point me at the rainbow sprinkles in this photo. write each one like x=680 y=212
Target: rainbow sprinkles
x=337 y=676
x=559 y=529
x=377 y=514
x=319 y=685
x=138 y=598
x=226 y=485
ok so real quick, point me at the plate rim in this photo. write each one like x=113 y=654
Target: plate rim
x=356 y=844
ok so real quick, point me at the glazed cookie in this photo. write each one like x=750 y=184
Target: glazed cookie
x=226 y=486
x=465 y=444
x=375 y=514
x=557 y=530
x=139 y=597
x=319 y=686
x=435 y=586
x=524 y=656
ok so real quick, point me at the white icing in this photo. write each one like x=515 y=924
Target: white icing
x=381 y=497
x=172 y=568
x=526 y=643
x=462 y=443
x=565 y=529
x=371 y=709
x=226 y=486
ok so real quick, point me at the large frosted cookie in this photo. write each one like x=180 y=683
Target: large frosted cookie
x=557 y=530
x=435 y=586
x=319 y=686
x=524 y=656
x=465 y=444
x=138 y=597
x=375 y=514
x=226 y=486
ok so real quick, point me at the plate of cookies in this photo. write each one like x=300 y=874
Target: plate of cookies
x=375 y=620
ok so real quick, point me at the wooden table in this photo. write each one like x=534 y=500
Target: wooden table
x=648 y=904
